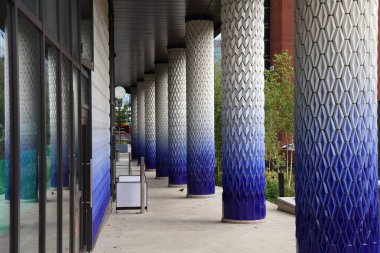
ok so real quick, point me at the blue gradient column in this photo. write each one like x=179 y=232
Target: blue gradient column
x=243 y=110
x=336 y=126
x=141 y=119
x=200 y=108
x=134 y=135
x=162 y=139
x=150 y=123
x=177 y=117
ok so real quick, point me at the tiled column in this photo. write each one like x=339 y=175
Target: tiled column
x=200 y=108
x=162 y=146
x=336 y=126
x=135 y=129
x=141 y=118
x=177 y=117
x=243 y=110
x=150 y=123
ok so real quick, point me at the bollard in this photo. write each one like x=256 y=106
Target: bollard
x=281 y=185
x=129 y=164
x=142 y=184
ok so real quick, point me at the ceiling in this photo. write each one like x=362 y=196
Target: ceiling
x=144 y=29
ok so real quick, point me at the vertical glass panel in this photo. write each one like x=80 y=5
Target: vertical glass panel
x=86 y=30
x=51 y=79
x=64 y=24
x=4 y=133
x=74 y=29
x=33 y=6
x=65 y=79
x=50 y=16
x=84 y=90
x=29 y=80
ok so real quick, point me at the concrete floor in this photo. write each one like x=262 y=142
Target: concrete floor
x=175 y=223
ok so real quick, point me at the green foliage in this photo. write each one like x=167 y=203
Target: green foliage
x=271 y=187
x=218 y=117
x=121 y=114
x=279 y=106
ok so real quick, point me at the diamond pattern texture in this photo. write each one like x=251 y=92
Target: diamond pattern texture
x=162 y=145
x=200 y=107
x=29 y=62
x=177 y=116
x=52 y=108
x=336 y=126
x=150 y=123
x=243 y=109
x=141 y=118
x=134 y=136
x=65 y=82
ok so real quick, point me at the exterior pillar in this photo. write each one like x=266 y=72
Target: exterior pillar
x=243 y=110
x=336 y=126
x=141 y=119
x=150 y=123
x=162 y=146
x=200 y=108
x=135 y=129
x=177 y=117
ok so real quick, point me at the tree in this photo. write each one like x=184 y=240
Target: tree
x=279 y=106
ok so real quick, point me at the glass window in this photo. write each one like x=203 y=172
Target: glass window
x=33 y=6
x=86 y=30
x=50 y=16
x=29 y=81
x=65 y=79
x=64 y=24
x=84 y=90
x=4 y=134
x=74 y=29
x=51 y=137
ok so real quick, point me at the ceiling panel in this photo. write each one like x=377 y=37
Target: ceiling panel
x=144 y=29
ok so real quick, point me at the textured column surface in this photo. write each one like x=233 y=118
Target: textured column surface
x=150 y=123
x=135 y=129
x=200 y=107
x=141 y=119
x=177 y=116
x=243 y=110
x=162 y=146
x=336 y=129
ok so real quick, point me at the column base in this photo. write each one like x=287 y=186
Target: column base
x=243 y=221
x=210 y=196
x=150 y=170
x=177 y=186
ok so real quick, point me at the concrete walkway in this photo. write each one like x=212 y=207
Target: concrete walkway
x=175 y=223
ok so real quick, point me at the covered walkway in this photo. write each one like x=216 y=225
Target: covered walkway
x=175 y=223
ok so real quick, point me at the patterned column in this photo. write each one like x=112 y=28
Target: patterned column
x=336 y=126
x=243 y=110
x=177 y=117
x=141 y=119
x=162 y=148
x=200 y=107
x=150 y=123
x=134 y=136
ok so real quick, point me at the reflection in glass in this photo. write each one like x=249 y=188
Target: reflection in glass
x=50 y=16
x=65 y=79
x=4 y=134
x=86 y=29
x=33 y=6
x=64 y=24
x=51 y=76
x=29 y=81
